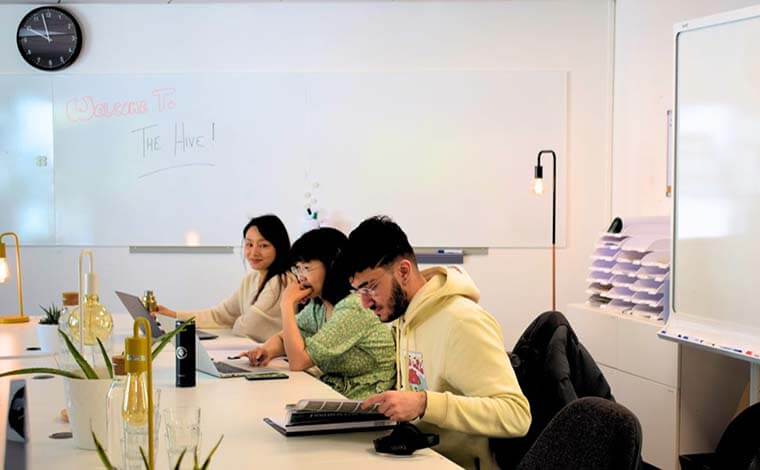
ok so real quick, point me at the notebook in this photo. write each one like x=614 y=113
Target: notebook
x=315 y=416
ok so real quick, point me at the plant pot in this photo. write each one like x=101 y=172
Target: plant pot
x=49 y=339
x=87 y=406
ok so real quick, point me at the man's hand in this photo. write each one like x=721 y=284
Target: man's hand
x=398 y=406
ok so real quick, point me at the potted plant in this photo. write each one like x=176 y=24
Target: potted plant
x=47 y=329
x=87 y=388
x=196 y=466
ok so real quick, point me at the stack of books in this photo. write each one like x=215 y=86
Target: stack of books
x=329 y=416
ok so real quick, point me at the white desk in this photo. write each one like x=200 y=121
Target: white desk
x=233 y=407
x=16 y=337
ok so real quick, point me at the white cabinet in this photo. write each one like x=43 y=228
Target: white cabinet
x=651 y=377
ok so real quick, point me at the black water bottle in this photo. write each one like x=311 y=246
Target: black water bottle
x=184 y=351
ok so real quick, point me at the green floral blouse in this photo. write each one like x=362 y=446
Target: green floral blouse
x=353 y=349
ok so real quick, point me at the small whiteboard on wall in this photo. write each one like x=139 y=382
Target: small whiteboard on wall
x=716 y=205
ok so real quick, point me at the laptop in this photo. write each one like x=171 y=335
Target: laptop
x=224 y=370
x=136 y=308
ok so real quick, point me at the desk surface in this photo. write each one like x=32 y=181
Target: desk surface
x=234 y=407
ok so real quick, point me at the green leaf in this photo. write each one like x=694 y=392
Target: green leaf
x=88 y=371
x=52 y=315
x=101 y=452
x=179 y=460
x=42 y=370
x=168 y=337
x=207 y=462
x=145 y=459
x=106 y=359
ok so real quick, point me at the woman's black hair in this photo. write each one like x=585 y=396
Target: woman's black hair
x=328 y=246
x=273 y=230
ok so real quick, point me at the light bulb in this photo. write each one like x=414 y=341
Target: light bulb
x=538 y=186
x=4 y=272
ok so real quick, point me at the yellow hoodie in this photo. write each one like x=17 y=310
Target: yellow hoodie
x=450 y=347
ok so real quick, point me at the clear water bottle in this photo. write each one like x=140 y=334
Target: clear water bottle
x=70 y=302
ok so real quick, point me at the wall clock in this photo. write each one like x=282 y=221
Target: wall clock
x=49 y=38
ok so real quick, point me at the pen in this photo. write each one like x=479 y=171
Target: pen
x=449 y=252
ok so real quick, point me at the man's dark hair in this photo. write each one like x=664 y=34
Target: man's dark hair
x=377 y=242
x=327 y=245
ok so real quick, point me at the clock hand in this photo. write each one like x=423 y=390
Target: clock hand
x=47 y=33
x=29 y=28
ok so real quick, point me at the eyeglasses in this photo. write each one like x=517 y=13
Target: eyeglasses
x=302 y=271
x=369 y=290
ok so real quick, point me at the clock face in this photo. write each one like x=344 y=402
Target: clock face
x=49 y=38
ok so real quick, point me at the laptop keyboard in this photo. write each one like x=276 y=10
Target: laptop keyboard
x=225 y=368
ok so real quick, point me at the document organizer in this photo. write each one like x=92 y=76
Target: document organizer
x=630 y=271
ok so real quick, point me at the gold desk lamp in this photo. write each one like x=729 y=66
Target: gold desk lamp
x=5 y=274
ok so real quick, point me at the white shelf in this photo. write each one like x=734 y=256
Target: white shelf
x=657 y=259
x=653 y=273
x=633 y=257
x=630 y=270
x=627 y=269
x=600 y=278
x=649 y=286
x=599 y=289
x=602 y=266
x=605 y=254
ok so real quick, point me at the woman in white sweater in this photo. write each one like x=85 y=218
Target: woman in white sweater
x=254 y=309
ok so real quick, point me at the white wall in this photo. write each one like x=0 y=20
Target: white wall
x=643 y=94
x=573 y=35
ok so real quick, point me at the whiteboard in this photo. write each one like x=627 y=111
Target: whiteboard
x=715 y=300
x=184 y=159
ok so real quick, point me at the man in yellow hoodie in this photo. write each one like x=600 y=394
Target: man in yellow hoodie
x=452 y=370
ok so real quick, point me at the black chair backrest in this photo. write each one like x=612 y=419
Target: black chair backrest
x=553 y=369
x=739 y=446
x=590 y=433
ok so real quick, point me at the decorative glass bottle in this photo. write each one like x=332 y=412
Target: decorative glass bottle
x=70 y=302
x=97 y=320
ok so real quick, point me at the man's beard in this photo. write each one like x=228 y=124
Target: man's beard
x=398 y=304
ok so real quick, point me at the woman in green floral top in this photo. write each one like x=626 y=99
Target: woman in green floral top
x=353 y=350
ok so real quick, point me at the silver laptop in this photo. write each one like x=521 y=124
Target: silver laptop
x=206 y=364
x=135 y=307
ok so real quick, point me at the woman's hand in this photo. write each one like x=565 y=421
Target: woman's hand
x=294 y=294
x=164 y=311
x=258 y=356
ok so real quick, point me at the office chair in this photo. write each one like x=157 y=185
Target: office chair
x=590 y=433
